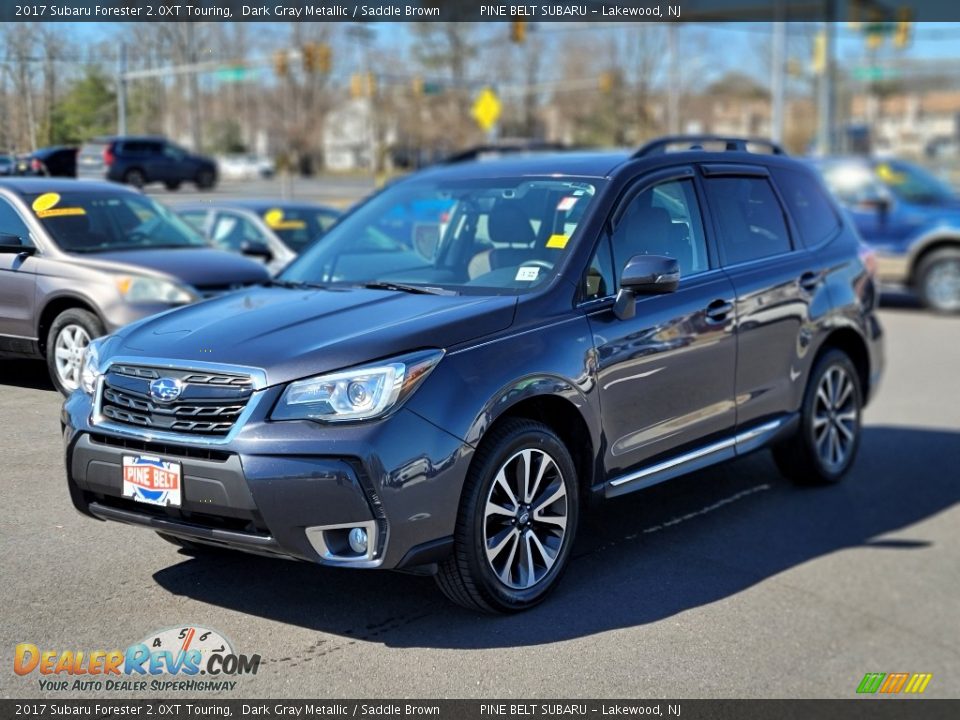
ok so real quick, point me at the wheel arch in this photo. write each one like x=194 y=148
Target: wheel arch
x=852 y=344
x=54 y=307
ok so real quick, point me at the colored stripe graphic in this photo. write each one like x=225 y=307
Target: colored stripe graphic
x=918 y=683
x=870 y=683
x=894 y=682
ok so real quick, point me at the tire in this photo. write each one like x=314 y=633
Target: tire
x=825 y=446
x=172 y=185
x=502 y=582
x=205 y=180
x=135 y=177
x=193 y=548
x=67 y=340
x=938 y=280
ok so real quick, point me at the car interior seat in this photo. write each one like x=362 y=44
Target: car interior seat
x=508 y=226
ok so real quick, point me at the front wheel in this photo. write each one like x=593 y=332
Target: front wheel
x=938 y=280
x=67 y=341
x=517 y=520
x=825 y=445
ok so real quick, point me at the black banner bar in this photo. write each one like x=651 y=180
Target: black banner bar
x=477 y=10
x=864 y=708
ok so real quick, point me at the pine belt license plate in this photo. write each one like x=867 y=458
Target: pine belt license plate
x=150 y=480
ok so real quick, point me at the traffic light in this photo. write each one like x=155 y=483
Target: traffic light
x=356 y=85
x=606 y=81
x=371 y=83
x=281 y=65
x=518 y=31
x=418 y=86
x=901 y=37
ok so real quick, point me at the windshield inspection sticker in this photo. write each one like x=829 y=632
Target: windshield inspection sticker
x=45 y=206
x=528 y=274
x=558 y=242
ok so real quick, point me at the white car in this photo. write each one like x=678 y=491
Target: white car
x=245 y=167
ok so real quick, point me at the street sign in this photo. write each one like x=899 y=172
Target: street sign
x=232 y=73
x=873 y=73
x=486 y=109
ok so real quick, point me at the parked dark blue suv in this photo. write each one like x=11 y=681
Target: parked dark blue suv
x=141 y=160
x=586 y=325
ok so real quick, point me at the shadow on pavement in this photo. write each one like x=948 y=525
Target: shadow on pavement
x=708 y=536
x=30 y=374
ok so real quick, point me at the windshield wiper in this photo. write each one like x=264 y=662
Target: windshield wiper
x=294 y=285
x=402 y=287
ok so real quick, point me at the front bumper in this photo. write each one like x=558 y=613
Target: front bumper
x=261 y=492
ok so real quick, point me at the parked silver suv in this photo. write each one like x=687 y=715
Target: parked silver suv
x=81 y=259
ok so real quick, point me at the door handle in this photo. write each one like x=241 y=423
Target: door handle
x=718 y=310
x=809 y=281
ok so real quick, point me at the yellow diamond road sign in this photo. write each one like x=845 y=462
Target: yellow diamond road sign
x=486 y=109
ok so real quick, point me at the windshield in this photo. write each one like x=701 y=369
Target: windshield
x=912 y=184
x=477 y=236
x=86 y=222
x=297 y=226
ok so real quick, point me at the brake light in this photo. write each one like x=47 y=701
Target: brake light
x=36 y=165
x=108 y=155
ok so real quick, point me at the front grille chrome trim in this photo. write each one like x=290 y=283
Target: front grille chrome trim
x=216 y=375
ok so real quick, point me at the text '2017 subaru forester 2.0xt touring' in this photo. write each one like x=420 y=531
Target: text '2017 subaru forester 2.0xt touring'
x=448 y=394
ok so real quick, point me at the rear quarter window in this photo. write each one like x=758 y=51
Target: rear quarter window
x=812 y=212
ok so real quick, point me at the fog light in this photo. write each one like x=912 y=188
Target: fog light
x=358 y=541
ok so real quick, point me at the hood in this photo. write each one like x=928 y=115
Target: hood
x=198 y=267
x=292 y=334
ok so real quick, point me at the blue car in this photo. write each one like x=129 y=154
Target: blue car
x=911 y=220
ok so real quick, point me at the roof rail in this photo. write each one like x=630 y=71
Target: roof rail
x=695 y=142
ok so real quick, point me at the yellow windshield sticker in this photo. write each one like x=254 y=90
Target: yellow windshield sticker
x=61 y=212
x=274 y=219
x=558 y=241
x=889 y=175
x=45 y=202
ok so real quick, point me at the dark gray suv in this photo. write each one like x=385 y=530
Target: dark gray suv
x=559 y=328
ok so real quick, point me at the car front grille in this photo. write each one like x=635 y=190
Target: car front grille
x=209 y=403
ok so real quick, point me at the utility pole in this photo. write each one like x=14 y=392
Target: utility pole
x=673 y=92
x=826 y=90
x=777 y=70
x=194 y=88
x=122 y=90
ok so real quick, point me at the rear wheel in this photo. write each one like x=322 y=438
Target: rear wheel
x=67 y=341
x=205 y=179
x=135 y=177
x=516 y=523
x=938 y=280
x=826 y=444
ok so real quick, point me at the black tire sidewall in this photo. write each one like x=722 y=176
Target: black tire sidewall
x=498 y=595
x=832 y=358
x=205 y=179
x=74 y=316
x=130 y=176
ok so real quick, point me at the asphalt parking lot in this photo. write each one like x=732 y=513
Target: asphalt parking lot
x=727 y=583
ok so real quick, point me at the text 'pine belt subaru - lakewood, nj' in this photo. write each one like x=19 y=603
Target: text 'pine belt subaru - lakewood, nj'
x=448 y=395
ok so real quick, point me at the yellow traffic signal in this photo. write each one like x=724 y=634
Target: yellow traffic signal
x=606 y=81
x=317 y=57
x=280 y=63
x=904 y=27
x=418 y=86
x=518 y=31
x=371 y=84
x=356 y=85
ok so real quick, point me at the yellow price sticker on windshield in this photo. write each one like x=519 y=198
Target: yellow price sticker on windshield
x=889 y=175
x=45 y=206
x=558 y=242
x=45 y=202
x=274 y=219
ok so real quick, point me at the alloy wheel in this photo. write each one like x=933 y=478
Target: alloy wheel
x=943 y=284
x=835 y=418
x=525 y=519
x=69 y=349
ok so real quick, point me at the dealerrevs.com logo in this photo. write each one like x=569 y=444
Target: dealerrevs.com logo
x=188 y=659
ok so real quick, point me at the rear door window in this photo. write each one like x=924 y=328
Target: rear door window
x=750 y=218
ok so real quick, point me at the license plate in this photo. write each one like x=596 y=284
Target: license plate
x=150 y=480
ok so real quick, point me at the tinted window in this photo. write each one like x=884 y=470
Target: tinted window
x=811 y=210
x=663 y=220
x=12 y=224
x=750 y=218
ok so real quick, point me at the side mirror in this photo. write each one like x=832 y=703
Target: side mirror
x=645 y=275
x=14 y=244
x=257 y=250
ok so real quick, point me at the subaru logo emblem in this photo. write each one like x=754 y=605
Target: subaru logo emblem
x=165 y=390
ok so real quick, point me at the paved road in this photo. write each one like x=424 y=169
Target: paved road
x=339 y=191
x=727 y=583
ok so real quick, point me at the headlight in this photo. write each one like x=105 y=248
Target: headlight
x=91 y=367
x=362 y=393
x=141 y=289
